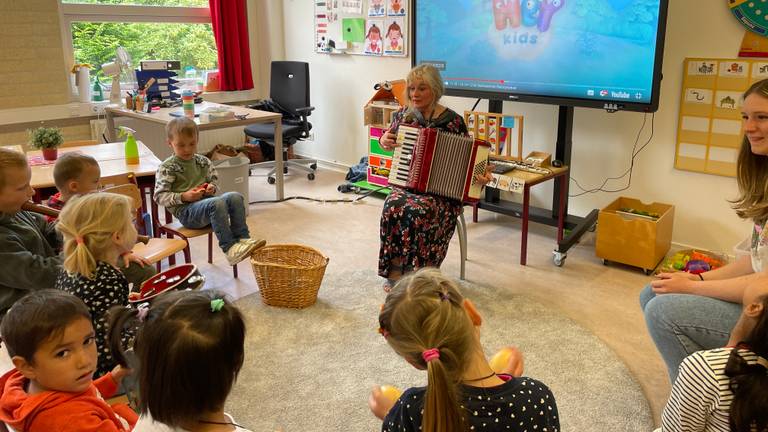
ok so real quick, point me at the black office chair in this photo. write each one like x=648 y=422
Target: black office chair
x=289 y=95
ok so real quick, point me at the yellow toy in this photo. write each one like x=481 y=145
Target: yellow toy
x=509 y=360
x=391 y=392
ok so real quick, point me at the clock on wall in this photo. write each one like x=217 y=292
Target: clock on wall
x=753 y=14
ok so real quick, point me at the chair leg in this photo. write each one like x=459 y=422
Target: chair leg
x=187 y=254
x=210 y=248
x=234 y=270
x=158 y=266
x=461 y=228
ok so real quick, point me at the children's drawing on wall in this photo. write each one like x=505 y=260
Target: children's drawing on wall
x=394 y=39
x=333 y=10
x=373 y=41
x=376 y=8
x=396 y=7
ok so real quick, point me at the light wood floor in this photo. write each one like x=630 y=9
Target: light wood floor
x=603 y=299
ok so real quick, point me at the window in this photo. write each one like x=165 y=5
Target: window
x=147 y=29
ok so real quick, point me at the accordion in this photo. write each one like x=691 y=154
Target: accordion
x=441 y=163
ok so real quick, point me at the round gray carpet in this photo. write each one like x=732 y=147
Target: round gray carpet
x=312 y=369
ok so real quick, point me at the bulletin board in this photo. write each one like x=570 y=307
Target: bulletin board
x=378 y=28
x=709 y=124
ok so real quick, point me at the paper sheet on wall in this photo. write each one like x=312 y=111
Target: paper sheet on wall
x=352 y=6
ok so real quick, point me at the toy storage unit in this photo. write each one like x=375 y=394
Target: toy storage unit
x=377 y=115
x=633 y=239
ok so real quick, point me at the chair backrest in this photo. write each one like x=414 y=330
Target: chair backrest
x=289 y=84
x=131 y=191
x=117 y=179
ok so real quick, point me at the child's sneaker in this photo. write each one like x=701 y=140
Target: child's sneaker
x=260 y=243
x=238 y=252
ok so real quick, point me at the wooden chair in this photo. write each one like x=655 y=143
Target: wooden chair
x=176 y=229
x=156 y=249
x=461 y=229
x=16 y=147
x=78 y=143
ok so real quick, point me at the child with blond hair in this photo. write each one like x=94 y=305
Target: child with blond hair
x=427 y=321
x=185 y=185
x=97 y=229
x=50 y=338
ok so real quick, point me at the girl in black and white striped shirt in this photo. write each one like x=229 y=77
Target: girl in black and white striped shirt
x=726 y=389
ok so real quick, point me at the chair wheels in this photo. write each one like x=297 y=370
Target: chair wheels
x=311 y=176
x=313 y=166
x=271 y=180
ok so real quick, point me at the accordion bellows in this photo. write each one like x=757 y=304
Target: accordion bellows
x=441 y=163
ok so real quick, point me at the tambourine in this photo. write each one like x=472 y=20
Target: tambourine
x=181 y=277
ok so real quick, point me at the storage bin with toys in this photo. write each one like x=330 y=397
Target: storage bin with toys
x=633 y=233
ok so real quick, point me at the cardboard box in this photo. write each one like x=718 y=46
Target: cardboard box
x=636 y=240
x=538 y=159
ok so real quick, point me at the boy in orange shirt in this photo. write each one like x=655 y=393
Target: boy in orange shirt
x=51 y=342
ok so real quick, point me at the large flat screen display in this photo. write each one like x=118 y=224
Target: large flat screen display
x=592 y=53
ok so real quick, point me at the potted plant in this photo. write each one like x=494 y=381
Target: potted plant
x=47 y=140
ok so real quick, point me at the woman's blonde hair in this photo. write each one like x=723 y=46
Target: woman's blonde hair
x=87 y=224
x=752 y=172
x=431 y=77
x=425 y=310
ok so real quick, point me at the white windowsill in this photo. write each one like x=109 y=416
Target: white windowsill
x=83 y=109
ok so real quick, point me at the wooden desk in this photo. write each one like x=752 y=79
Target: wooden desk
x=513 y=209
x=163 y=116
x=111 y=159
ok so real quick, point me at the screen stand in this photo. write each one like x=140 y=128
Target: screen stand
x=575 y=226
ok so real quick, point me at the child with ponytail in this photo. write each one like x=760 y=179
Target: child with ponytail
x=426 y=320
x=190 y=347
x=726 y=389
x=97 y=229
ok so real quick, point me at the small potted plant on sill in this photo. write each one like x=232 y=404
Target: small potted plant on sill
x=47 y=140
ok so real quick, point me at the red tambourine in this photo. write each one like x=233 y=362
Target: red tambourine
x=180 y=277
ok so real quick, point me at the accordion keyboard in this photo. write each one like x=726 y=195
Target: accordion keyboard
x=401 y=158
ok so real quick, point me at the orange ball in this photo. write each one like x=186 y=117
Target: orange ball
x=391 y=392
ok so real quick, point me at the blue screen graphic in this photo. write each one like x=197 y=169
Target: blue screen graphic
x=601 y=50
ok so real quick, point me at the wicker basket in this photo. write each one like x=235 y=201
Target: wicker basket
x=289 y=275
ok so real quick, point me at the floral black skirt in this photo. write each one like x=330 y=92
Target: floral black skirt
x=416 y=228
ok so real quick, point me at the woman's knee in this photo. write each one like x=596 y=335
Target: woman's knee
x=646 y=295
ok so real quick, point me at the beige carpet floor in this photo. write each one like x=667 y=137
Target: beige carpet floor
x=601 y=299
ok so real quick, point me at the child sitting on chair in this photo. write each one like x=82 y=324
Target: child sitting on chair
x=185 y=185
x=73 y=174
x=97 y=229
x=78 y=174
x=190 y=348
x=426 y=321
x=50 y=339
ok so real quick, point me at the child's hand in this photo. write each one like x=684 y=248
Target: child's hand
x=130 y=257
x=210 y=189
x=192 y=195
x=379 y=403
x=119 y=372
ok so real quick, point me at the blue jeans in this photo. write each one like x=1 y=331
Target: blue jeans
x=224 y=213
x=681 y=324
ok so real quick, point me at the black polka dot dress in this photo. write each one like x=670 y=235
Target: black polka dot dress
x=108 y=288
x=520 y=405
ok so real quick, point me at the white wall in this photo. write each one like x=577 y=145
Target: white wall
x=602 y=142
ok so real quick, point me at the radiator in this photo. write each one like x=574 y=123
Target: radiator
x=233 y=136
x=154 y=138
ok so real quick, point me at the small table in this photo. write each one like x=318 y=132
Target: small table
x=492 y=203
x=111 y=159
x=251 y=116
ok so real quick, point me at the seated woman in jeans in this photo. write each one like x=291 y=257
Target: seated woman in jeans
x=697 y=312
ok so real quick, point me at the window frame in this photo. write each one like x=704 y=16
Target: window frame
x=74 y=12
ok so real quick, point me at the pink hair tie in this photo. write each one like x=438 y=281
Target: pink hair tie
x=430 y=354
x=79 y=240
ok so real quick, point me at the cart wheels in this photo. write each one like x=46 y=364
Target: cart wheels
x=271 y=180
x=311 y=176
x=559 y=258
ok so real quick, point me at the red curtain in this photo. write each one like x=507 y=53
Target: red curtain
x=230 y=29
